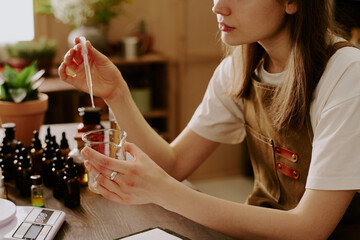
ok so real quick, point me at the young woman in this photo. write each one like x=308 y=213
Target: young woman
x=291 y=86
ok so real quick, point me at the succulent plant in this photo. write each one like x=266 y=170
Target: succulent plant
x=20 y=86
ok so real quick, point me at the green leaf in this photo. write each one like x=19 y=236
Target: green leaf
x=17 y=94
x=10 y=75
x=17 y=87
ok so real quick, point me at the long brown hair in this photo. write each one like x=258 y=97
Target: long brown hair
x=312 y=29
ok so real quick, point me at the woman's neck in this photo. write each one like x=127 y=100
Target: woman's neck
x=278 y=50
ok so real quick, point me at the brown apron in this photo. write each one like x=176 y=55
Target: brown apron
x=281 y=161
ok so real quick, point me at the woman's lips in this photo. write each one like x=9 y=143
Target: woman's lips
x=225 y=28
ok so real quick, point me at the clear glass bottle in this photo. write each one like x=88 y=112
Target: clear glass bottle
x=37 y=191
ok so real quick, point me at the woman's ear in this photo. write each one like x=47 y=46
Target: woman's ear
x=291 y=7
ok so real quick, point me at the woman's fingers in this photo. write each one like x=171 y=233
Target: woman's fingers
x=110 y=174
x=101 y=160
x=111 y=189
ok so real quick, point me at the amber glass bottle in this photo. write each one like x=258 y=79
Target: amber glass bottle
x=36 y=153
x=6 y=160
x=58 y=173
x=64 y=146
x=72 y=190
x=24 y=173
x=90 y=119
x=47 y=164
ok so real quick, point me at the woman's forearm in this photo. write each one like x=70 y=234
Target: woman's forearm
x=313 y=219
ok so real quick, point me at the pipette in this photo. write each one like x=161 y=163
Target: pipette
x=84 y=53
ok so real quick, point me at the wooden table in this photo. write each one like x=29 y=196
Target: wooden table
x=99 y=218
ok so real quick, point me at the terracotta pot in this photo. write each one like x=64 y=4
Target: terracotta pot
x=28 y=116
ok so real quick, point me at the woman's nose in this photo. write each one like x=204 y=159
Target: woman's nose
x=220 y=8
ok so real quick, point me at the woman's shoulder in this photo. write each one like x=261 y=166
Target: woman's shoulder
x=345 y=56
x=223 y=72
x=339 y=82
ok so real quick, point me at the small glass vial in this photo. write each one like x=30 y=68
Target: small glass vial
x=37 y=191
x=112 y=119
x=72 y=183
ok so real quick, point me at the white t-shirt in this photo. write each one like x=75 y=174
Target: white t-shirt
x=334 y=112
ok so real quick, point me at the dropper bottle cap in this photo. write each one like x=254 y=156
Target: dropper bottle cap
x=36 y=143
x=48 y=134
x=9 y=130
x=64 y=142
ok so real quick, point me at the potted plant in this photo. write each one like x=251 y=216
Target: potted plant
x=23 y=54
x=20 y=101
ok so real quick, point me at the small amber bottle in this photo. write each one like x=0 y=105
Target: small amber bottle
x=90 y=119
x=72 y=191
x=20 y=156
x=19 y=148
x=64 y=146
x=24 y=173
x=58 y=173
x=3 y=188
x=36 y=153
x=6 y=163
x=37 y=191
x=47 y=164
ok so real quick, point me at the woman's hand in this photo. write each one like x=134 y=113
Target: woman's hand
x=139 y=181
x=106 y=77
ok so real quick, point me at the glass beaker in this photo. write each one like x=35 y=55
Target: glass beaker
x=108 y=142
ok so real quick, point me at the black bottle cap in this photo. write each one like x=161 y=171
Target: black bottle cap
x=59 y=161
x=36 y=180
x=64 y=142
x=9 y=130
x=48 y=134
x=36 y=143
x=90 y=115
